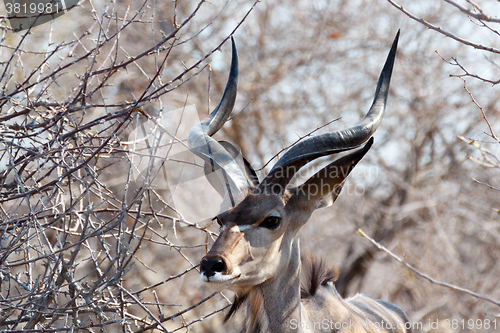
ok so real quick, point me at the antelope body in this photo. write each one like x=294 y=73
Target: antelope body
x=257 y=253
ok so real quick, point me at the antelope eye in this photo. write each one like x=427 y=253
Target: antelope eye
x=271 y=222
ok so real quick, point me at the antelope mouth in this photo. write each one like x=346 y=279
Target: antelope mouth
x=218 y=278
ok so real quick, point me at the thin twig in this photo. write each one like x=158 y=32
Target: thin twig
x=444 y=32
x=426 y=276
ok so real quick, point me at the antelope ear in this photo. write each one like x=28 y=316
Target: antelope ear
x=322 y=189
x=217 y=181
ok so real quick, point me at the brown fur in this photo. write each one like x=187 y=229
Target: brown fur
x=257 y=320
x=315 y=273
x=256 y=307
x=256 y=302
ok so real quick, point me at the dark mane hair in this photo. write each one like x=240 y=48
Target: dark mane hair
x=237 y=303
x=315 y=272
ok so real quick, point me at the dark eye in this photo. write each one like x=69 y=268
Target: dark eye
x=271 y=222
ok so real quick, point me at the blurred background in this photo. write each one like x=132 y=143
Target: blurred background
x=101 y=232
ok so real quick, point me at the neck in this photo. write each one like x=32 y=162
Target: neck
x=274 y=306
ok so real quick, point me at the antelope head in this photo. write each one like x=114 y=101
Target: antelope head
x=260 y=220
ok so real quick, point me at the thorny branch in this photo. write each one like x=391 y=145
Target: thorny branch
x=455 y=62
x=487 y=158
x=479 y=15
x=75 y=218
x=492 y=133
x=442 y=31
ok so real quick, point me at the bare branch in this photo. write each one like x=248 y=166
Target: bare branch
x=444 y=32
x=425 y=276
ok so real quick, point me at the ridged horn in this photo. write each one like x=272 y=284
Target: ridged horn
x=334 y=142
x=212 y=152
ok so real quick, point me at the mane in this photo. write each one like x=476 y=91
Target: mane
x=237 y=303
x=315 y=272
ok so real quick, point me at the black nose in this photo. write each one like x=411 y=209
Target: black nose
x=210 y=267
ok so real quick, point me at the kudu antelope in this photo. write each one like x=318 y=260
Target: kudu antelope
x=257 y=252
